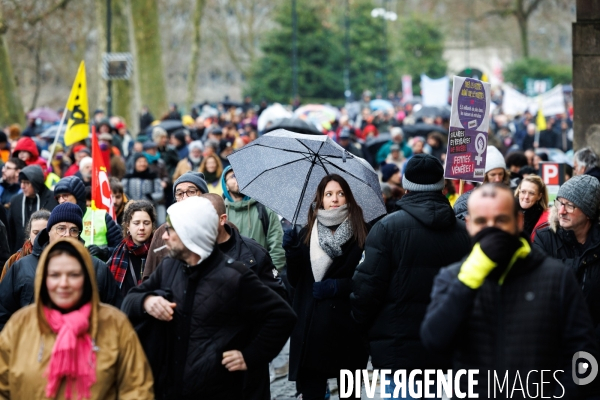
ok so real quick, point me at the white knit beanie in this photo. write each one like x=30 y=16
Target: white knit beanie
x=494 y=159
x=196 y=222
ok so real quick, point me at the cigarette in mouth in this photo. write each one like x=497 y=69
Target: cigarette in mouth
x=160 y=248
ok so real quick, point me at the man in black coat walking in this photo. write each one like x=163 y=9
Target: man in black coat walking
x=257 y=384
x=222 y=320
x=508 y=310
x=403 y=253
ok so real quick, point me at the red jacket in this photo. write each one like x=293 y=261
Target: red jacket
x=542 y=223
x=27 y=144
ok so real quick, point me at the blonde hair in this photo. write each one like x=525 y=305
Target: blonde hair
x=536 y=180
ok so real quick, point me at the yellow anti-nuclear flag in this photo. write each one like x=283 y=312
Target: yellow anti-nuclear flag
x=78 y=126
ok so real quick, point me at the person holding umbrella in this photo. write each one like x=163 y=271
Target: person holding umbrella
x=321 y=260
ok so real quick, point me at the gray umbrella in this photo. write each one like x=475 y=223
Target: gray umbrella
x=282 y=170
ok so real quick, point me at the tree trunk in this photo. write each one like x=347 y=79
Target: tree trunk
x=11 y=108
x=522 y=21
x=121 y=89
x=194 y=60
x=102 y=92
x=150 y=71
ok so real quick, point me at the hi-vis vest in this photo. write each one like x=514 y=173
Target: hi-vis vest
x=99 y=227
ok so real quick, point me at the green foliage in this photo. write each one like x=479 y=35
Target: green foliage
x=518 y=71
x=412 y=46
x=319 y=57
x=420 y=49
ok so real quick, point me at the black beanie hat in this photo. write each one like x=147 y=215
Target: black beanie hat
x=72 y=185
x=387 y=170
x=66 y=212
x=423 y=173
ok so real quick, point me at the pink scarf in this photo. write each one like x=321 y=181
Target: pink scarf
x=72 y=356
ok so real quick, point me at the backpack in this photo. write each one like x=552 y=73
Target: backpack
x=263 y=217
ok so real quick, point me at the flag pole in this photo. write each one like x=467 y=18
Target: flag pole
x=92 y=205
x=461 y=187
x=60 y=125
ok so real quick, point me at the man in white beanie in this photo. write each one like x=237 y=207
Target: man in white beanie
x=495 y=172
x=215 y=315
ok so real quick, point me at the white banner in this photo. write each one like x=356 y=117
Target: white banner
x=514 y=103
x=435 y=92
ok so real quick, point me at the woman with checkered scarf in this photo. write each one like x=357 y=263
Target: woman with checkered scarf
x=129 y=258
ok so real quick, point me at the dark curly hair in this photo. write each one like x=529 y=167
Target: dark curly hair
x=132 y=207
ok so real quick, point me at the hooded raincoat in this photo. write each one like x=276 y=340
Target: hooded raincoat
x=26 y=343
x=244 y=214
x=22 y=207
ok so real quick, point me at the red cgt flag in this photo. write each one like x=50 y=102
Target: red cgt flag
x=101 y=195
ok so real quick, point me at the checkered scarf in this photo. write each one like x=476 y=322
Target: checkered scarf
x=119 y=262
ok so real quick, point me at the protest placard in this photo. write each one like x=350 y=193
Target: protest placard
x=469 y=124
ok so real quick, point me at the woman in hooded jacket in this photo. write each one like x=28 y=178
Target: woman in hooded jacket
x=212 y=168
x=129 y=258
x=27 y=150
x=321 y=260
x=67 y=342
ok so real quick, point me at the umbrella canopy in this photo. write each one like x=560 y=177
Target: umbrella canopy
x=272 y=113
x=422 y=129
x=319 y=114
x=430 y=111
x=169 y=125
x=295 y=125
x=282 y=170
x=373 y=144
x=381 y=105
x=45 y=114
x=50 y=133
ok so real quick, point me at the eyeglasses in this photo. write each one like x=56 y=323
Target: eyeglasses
x=189 y=193
x=167 y=229
x=64 y=196
x=568 y=206
x=8 y=168
x=61 y=230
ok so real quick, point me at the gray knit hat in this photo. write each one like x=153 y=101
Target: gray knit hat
x=584 y=192
x=196 y=178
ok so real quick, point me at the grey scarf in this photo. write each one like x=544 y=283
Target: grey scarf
x=325 y=245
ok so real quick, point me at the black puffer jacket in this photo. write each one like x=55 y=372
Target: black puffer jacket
x=326 y=338
x=21 y=207
x=535 y=320
x=583 y=260
x=219 y=303
x=390 y=293
x=16 y=289
x=254 y=256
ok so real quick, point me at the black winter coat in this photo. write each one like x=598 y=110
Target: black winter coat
x=535 y=320
x=390 y=292
x=254 y=256
x=17 y=287
x=326 y=338
x=584 y=261
x=219 y=303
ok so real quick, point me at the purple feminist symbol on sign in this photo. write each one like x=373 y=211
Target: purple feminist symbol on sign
x=471 y=104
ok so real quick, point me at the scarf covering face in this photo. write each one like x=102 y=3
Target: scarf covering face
x=325 y=245
x=72 y=356
x=119 y=262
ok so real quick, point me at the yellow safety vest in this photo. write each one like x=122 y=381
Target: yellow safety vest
x=99 y=234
